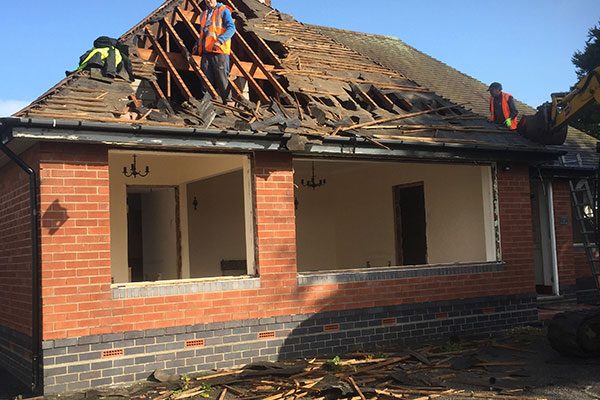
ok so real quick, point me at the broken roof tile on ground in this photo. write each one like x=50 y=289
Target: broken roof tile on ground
x=286 y=76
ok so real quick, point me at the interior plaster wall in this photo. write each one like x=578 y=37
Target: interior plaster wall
x=349 y=222
x=166 y=169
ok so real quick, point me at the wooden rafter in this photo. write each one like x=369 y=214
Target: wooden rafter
x=168 y=75
x=255 y=86
x=377 y=94
x=261 y=93
x=265 y=47
x=161 y=52
x=357 y=89
x=239 y=40
x=190 y=60
x=256 y=59
x=182 y=65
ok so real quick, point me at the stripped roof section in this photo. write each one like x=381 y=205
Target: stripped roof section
x=299 y=79
x=449 y=83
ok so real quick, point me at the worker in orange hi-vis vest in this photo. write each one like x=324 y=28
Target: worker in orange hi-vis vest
x=502 y=107
x=214 y=45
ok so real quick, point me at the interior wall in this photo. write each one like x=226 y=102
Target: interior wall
x=349 y=222
x=166 y=169
x=159 y=225
x=216 y=228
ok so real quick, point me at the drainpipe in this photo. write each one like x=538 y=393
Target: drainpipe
x=555 y=283
x=36 y=342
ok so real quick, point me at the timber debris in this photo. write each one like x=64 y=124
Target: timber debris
x=450 y=370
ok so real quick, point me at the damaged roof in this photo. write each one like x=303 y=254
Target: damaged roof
x=452 y=84
x=286 y=76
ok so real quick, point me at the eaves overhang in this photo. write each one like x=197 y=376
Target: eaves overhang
x=566 y=172
x=199 y=139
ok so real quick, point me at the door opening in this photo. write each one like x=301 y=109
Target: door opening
x=153 y=238
x=409 y=212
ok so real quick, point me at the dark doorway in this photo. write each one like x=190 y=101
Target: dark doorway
x=153 y=233
x=409 y=212
x=135 y=240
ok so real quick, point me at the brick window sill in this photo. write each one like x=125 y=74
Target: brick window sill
x=182 y=286
x=393 y=273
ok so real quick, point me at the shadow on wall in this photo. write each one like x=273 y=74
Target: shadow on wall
x=54 y=217
x=374 y=328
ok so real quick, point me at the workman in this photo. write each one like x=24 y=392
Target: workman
x=214 y=45
x=502 y=107
x=110 y=55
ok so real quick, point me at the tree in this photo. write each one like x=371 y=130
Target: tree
x=585 y=61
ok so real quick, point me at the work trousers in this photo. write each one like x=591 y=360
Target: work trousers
x=216 y=68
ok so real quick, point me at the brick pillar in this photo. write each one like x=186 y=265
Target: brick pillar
x=275 y=221
x=75 y=239
x=516 y=231
x=564 y=233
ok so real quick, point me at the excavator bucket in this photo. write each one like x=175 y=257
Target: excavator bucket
x=537 y=127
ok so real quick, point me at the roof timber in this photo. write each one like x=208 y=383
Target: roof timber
x=180 y=63
x=293 y=72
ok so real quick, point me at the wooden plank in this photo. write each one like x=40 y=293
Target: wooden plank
x=235 y=87
x=397 y=117
x=360 y=393
x=181 y=64
x=191 y=61
x=239 y=39
x=380 y=84
x=187 y=21
x=158 y=89
x=178 y=80
x=274 y=58
x=387 y=103
x=261 y=94
x=168 y=74
x=356 y=89
x=195 y=6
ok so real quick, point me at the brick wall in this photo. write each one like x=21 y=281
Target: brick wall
x=516 y=231
x=564 y=233
x=75 y=238
x=78 y=302
x=15 y=267
x=89 y=361
x=76 y=268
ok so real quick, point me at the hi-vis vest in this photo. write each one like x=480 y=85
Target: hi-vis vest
x=505 y=110
x=103 y=51
x=215 y=29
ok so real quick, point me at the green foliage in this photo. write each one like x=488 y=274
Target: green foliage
x=585 y=61
x=335 y=361
x=206 y=388
x=334 y=364
x=589 y=58
x=186 y=382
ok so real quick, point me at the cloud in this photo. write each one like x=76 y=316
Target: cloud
x=9 y=107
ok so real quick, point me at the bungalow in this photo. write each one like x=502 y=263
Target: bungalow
x=343 y=202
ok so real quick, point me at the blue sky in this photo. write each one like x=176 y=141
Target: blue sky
x=526 y=45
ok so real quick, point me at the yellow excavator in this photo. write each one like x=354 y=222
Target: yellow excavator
x=549 y=125
x=574 y=332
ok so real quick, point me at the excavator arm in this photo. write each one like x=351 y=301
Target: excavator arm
x=549 y=125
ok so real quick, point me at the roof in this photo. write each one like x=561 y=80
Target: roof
x=450 y=83
x=299 y=78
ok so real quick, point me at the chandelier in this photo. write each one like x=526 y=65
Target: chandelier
x=133 y=171
x=313 y=182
